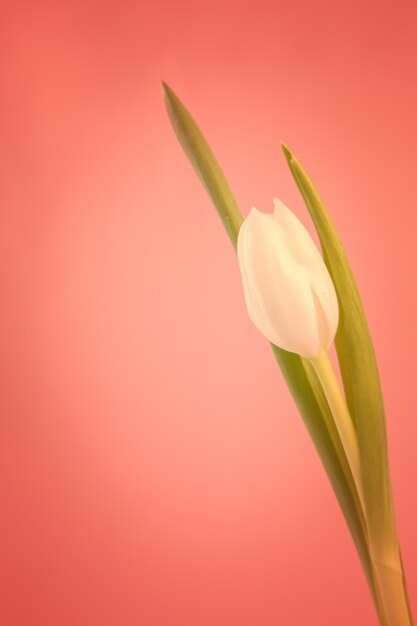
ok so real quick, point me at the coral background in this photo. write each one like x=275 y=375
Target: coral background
x=153 y=468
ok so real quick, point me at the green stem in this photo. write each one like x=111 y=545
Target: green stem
x=389 y=580
x=391 y=583
x=341 y=416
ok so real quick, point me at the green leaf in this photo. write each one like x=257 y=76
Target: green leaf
x=359 y=373
x=301 y=381
x=205 y=163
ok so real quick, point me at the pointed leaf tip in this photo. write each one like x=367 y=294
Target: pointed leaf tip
x=287 y=152
x=169 y=94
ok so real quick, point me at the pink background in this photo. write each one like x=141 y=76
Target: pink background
x=153 y=468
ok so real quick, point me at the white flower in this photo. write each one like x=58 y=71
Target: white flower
x=289 y=294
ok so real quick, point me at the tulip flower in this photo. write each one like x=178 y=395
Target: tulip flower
x=289 y=294
x=291 y=299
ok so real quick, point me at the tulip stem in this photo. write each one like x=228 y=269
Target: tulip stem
x=341 y=416
x=389 y=578
x=388 y=574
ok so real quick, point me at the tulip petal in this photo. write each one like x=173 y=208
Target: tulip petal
x=305 y=251
x=276 y=286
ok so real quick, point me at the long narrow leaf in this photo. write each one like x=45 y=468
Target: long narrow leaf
x=307 y=396
x=359 y=372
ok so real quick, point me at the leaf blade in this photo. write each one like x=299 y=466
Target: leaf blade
x=300 y=385
x=359 y=371
x=205 y=163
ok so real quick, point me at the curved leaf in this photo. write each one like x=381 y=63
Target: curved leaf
x=359 y=373
x=364 y=397
x=205 y=163
x=301 y=380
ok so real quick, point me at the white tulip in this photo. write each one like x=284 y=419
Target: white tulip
x=289 y=294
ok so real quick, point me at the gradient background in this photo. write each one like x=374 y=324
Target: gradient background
x=153 y=468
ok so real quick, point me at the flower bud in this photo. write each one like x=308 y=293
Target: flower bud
x=289 y=294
